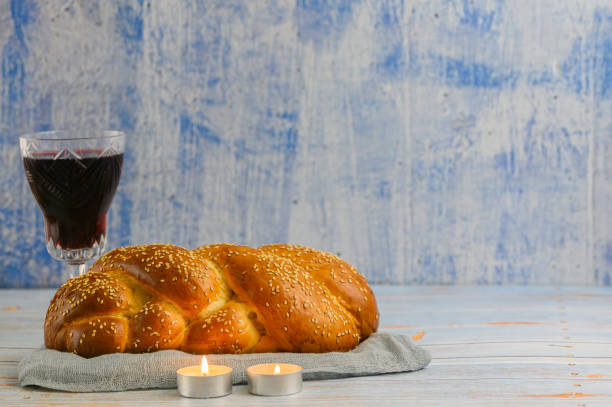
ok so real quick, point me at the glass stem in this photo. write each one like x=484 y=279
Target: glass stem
x=76 y=270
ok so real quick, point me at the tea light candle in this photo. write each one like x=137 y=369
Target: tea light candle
x=275 y=379
x=204 y=381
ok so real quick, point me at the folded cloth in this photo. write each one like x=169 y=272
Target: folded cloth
x=380 y=353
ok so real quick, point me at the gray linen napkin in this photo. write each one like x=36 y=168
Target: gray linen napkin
x=380 y=353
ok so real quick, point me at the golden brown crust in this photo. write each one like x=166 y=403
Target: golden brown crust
x=215 y=299
x=170 y=272
x=229 y=330
x=157 y=325
x=298 y=312
x=341 y=279
x=78 y=303
x=97 y=336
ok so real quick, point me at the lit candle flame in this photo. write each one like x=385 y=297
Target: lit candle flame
x=277 y=369
x=204 y=366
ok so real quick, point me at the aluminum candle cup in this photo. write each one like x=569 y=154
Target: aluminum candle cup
x=193 y=383
x=273 y=379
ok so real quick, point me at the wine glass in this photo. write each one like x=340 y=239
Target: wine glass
x=73 y=175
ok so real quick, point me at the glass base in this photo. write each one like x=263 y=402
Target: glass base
x=75 y=270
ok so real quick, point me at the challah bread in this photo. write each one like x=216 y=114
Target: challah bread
x=215 y=299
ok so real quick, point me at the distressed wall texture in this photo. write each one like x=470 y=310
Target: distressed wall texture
x=425 y=141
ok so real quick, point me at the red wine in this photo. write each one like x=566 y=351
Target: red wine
x=74 y=195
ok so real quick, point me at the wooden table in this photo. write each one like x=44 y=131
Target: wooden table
x=540 y=346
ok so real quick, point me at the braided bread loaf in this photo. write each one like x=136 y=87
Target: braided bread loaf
x=215 y=299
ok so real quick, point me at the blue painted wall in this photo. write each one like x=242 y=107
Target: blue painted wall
x=425 y=141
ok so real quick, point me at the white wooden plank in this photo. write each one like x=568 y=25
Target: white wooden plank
x=470 y=333
x=350 y=391
x=516 y=349
x=26 y=298
x=32 y=338
x=13 y=355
